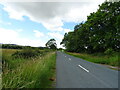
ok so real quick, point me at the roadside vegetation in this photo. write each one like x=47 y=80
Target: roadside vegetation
x=28 y=68
x=99 y=58
x=98 y=39
x=0 y=68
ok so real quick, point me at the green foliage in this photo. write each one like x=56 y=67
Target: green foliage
x=101 y=59
x=51 y=44
x=7 y=59
x=109 y=51
x=99 y=33
x=27 y=53
x=60 y=49
x=11 y=46
x=14 y=46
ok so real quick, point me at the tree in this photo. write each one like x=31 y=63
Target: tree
x=51 y=44
x=100 y=33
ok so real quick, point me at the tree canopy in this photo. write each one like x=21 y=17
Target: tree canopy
x=51 y=44
x=99 y=33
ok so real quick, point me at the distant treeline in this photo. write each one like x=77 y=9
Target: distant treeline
x=14 y=46
x=100 y=33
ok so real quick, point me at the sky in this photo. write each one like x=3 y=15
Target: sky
x=34 y=23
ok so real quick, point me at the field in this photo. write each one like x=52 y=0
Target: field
x=37 y=70
x=112 y=60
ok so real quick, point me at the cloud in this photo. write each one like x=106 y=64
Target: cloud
x=4 y=34
x=51 y=15
x=38 y=33
x=55 y=35
x=9 y=23
x=67 y=30
x=19 y=30
x=13 y=13
x=5 y=23
x=8 y=36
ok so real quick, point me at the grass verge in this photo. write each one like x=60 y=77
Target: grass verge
x=112 y=60
x=0 y=68
x=34 y=73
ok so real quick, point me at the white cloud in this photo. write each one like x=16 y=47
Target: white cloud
x=8 y=36
x=52 y=14
x=5 y=34
x=67 y=30
x=9 y=23
x=13 y=13
x=5 y=23
x=19 y=30
x=55 y=35
x=79 y=13
x=12 y=37
x=38 y=33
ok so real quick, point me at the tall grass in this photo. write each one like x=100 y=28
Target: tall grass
x=34 y=73
x=0 y=67
x=99 y=58
x=7 y=60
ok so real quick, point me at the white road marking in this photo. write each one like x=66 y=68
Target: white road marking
x=83 y=68
x=69 y=58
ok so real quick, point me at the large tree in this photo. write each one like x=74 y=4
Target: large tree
x=99 y=33
x=51 y=44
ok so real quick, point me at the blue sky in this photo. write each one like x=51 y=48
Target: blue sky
x=33 y=24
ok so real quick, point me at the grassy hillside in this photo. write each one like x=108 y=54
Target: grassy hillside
x=35 y=71
x=112 y=60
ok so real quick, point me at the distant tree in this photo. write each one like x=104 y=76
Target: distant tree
x=59 y=49
x=51 y=44
x=11 y=46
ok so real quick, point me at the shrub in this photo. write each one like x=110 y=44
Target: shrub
x=109 y=51
x=26 y=53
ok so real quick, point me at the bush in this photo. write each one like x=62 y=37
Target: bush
x=26 y=53
x=109 y=51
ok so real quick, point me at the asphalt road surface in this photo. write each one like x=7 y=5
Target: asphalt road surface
x=74 y=72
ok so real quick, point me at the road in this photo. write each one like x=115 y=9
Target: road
x=73 y=72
